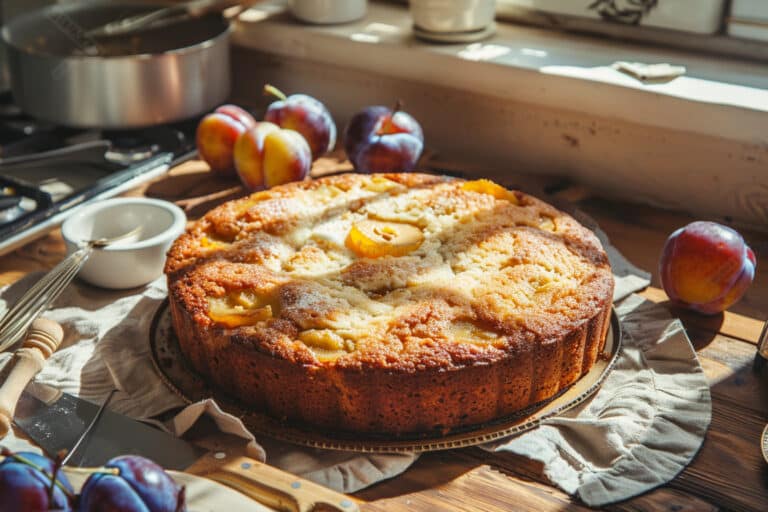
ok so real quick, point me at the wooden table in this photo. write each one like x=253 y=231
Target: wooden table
x=728 y=473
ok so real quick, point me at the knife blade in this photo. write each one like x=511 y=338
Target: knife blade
x=55 y=420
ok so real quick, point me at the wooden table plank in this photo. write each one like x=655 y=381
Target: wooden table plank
x=41 y=255
x=457 y=481
x=728 y=323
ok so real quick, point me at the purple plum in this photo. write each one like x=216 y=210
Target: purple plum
x=140 y=486
x=25 y=484
x=379 y=139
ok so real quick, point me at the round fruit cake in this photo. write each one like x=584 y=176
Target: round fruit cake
x=394 y=303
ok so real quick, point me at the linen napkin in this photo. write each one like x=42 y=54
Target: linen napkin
x=642 y=427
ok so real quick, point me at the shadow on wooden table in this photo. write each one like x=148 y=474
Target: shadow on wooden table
x=430 y=472
x=701 y=329
x=194 y=188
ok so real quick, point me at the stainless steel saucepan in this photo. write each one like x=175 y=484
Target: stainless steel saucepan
x=62 y=74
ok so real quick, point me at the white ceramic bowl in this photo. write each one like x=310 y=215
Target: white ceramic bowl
x=136 y=260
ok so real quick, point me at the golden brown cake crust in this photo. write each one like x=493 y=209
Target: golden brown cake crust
x=500 y=303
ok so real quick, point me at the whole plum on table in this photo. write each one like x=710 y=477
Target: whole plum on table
x=216 y=136
x=307 y=116
x=706 y=267
x=380 y=139
x=25 y=484
x=140 y=485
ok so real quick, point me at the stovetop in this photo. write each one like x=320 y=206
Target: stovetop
x=47 y=171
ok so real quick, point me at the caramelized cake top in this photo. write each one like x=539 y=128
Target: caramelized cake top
x=403 y=271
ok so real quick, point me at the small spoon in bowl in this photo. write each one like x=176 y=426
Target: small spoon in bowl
x=100 y=243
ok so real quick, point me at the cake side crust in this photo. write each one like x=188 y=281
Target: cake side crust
x=385 y=401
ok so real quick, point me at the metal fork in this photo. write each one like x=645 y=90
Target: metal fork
x=37 y=299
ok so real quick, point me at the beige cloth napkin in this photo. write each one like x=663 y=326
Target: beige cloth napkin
x=642 y=427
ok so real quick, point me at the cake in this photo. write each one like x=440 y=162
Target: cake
x=392 y=304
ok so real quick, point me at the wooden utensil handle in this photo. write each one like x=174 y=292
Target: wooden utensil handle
x=43 y=338
x=269 y=485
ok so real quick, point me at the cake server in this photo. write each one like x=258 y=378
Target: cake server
x=55 y=421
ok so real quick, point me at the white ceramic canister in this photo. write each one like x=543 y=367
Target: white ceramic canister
x=328 y=11
x=452 y=16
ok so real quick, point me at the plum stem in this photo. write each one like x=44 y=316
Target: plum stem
x=274 y=91
x=398 y=107
x=93 y=471
x=57 y=463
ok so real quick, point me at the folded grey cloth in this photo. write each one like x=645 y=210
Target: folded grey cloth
x=640 y=429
